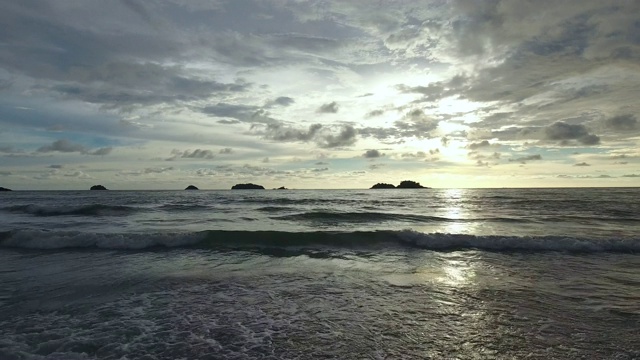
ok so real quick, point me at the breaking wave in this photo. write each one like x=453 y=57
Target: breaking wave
x=257 y=240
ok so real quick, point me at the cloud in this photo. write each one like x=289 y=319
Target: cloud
x=563 y=131
x=330 y=108
x=524 y=159
x=346 y=137
x=62 y=145
x=371 y=154
x=226 y=151
x=374 y=113
x=195 y=154
x=631 y=175
x=581 y=164
x=237 y=113
x=56 y=166
x=317 y=133
x=157 y=170
x=622 y=122
x=416 y=123
x=66 y=146
x=481 y=144
x=280 y=132
x=283 y=101
x=101 y=151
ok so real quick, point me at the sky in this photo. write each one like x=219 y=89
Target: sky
x=160 y=94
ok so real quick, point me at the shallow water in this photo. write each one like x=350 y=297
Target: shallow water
x=468 y=274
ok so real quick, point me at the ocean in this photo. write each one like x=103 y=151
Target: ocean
x=321 y=274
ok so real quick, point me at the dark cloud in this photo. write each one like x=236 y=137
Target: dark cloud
x=281 y=132
x=436 y=90
x=622 y=122
x=284 y=101
x=330 y=108
x=62 y=145
x=581 y=164
x=56 y=166
x=563 y=131
x=226 y=151
x=346 y=137
x=631 y=175
x=317 y=133
x=374 y=113
x=524 y=159
x=416 y=123
x=481 y=144
x=370 y=154
x=195 y=154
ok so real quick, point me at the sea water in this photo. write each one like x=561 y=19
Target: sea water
x=306 y=274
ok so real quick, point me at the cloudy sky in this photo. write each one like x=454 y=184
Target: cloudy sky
x=160 y=94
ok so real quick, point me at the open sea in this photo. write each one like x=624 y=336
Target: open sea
x=321 y=274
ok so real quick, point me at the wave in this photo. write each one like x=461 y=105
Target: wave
x=269 y=240
x=373 y=216
x=85 y=210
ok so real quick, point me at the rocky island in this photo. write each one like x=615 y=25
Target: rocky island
x=406 y=184
x=4 y=189
x=191 y=187
x=383 y=186
x=98 y=187
x=248 y=186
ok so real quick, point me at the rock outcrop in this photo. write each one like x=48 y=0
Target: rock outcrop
x=408 y=184
x=383 y=186
x=4 y=189
x=98 y=187
x=191 y=187
x=248 y=186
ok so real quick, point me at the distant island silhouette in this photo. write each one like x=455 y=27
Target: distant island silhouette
x=191 y=187
x=248 y=186
x=98 y=187
x=383 y=186
x=4 y=189
x=406 y=184
x=281 y=188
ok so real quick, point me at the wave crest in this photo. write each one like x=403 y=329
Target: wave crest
x=257 y=240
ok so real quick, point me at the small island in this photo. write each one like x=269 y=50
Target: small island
x=248 y=186
x=4 y=189
x=281 y=188
x=406 y=184
x=383 y=186
x=98 y=187
x=191 y=187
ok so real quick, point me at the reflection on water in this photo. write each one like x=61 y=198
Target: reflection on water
x=457 y=273
x=453 y=207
